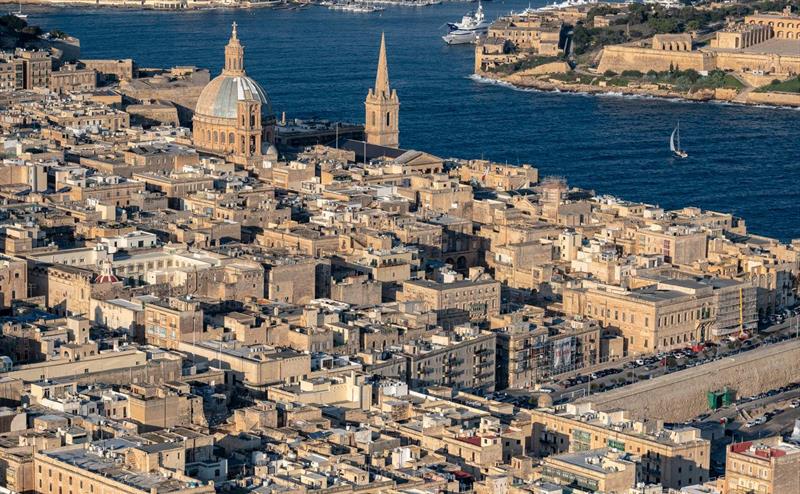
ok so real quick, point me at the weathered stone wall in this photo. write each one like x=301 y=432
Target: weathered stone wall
x=154 y=372
x=681 y=395
x=776 y=64
x=786 y=99
x=547 y=68
x=619 y=58
x=183 y=97
x=166 y=114
x=625 y=57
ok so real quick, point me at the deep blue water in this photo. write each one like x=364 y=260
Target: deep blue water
x=317 y=62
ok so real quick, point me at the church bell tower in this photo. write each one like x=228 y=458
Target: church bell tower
x=382 y=107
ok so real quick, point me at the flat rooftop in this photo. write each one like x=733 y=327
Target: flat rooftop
x=91 y=459
x=595 y=460
x=778 y=46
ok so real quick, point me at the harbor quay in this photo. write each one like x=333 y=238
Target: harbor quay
x=200 y=293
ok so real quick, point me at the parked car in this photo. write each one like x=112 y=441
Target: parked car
x=756 y=422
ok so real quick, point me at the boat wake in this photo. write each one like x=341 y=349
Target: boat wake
x=618 y=94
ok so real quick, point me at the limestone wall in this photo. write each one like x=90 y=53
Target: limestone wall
x=682 y=395
x=784 y=99
x=624 y=57
x=619 y=58
x=739 y=61
x=547 y=68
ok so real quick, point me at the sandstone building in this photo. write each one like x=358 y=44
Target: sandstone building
x=674 y=458
x=233 y=116
x=768 y=466
x=764 y=43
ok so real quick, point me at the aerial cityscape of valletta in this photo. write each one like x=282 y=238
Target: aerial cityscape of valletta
x=400 y=247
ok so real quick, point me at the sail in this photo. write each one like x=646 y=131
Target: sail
x=672 y=141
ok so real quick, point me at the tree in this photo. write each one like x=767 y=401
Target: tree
x=638 y=13
x=599 y=10
x=632 y=73
x=13 y=22
x=664 y=25
x=581 y=39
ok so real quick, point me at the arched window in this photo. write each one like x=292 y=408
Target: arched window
x=216 y=136
x=388 y=121
x=222 y=137
x=208 y=136
x=373 y=119
x=231 y=139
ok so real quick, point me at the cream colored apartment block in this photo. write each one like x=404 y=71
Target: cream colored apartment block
x=675 y=458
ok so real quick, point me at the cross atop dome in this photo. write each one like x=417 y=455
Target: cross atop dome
x=234 y=54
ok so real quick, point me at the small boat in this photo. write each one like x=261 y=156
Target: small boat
x=18 y=14
x=675 y=143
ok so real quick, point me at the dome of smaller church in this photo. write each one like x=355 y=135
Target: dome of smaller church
x=221 y=96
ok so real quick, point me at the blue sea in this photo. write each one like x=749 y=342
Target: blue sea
x=319 y=63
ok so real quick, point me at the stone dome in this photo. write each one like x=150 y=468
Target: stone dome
x=220 y=96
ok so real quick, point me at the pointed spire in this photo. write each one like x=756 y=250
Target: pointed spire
x=382 y=77
x=233 y=32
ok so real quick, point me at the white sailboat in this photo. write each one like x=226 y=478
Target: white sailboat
x=18 y=14
x=675 y=143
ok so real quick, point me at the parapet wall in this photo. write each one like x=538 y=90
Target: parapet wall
x=618 y=58
x=680 y=396
x=784 y=99
x=771 y=63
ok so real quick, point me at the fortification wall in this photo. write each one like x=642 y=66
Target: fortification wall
x=681 y=395
x=784 y=99
x=758 y=61
x=618 y=58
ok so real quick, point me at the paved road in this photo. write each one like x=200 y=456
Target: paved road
x=565 y=391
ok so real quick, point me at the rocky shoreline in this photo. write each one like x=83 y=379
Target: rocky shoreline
x=529 y=81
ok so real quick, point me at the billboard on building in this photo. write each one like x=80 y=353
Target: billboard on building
x=562 y=353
